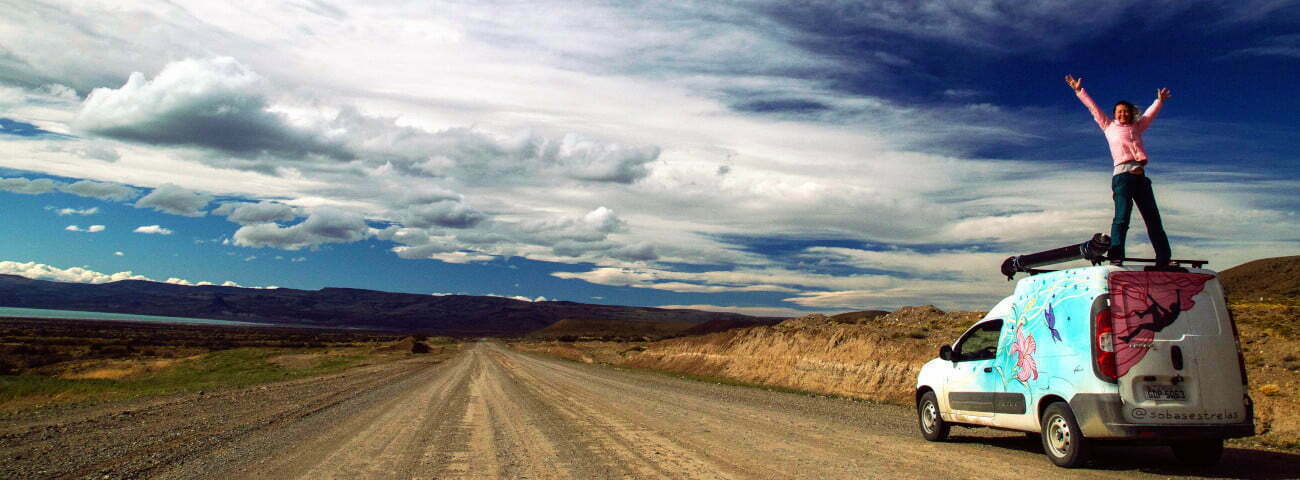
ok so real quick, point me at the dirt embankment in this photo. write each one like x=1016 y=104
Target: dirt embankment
x=878 y=357
x=875 y=359
x=1270 y=342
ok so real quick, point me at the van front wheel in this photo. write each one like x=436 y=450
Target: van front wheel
x=933 y=428
x=1062 y=441
x=1199 y=453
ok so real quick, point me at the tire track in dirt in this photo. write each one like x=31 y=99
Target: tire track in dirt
x=514 y=434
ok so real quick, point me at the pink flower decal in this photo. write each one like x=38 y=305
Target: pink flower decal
x=1025 y=348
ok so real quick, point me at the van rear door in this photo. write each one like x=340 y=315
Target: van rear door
x=1176 y=355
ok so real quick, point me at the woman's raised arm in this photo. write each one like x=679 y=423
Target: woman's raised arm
x=1097 y=115
x=1150 y=114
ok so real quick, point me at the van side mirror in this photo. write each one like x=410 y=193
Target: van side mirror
x=945 y=352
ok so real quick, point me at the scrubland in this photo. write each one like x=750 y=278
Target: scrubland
x=877 y=357
x=51 y=363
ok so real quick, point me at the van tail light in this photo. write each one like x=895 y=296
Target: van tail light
x=1236 y=338
x=1104 y=346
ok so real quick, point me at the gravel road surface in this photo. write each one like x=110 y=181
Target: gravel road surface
x=490 y=412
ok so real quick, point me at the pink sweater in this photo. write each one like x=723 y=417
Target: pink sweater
x=1125 y=140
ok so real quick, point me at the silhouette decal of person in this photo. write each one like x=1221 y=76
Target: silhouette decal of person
x=1160 y=317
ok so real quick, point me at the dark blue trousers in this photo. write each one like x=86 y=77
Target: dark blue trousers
x=1132 y=189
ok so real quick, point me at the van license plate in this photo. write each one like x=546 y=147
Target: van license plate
x=1165 y=392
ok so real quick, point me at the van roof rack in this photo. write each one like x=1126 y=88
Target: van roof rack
x=1093 y=250
x=1191 y=263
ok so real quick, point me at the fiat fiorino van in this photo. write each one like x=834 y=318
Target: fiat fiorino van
x=1094 y=354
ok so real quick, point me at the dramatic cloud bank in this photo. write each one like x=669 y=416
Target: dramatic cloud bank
x=754 y=156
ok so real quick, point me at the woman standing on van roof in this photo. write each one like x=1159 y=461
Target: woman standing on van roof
x=1129 y=184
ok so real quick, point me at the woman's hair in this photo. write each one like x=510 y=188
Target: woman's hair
x=1125 y=102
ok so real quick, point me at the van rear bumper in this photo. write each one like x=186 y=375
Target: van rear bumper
x=1100 y=415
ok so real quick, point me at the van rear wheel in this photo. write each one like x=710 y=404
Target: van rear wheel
x=1062 y=441
x=933 y=428
x=1199 y=453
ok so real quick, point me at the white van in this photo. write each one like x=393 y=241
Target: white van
x=1098 y=353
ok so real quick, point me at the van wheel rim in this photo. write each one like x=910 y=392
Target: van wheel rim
x=928 y=416
x=1058 y=436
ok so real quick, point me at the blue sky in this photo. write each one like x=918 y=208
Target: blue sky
x=760 y=156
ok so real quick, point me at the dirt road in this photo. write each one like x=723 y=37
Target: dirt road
x=490 y=412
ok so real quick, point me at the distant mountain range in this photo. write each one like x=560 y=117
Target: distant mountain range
x=461 y=315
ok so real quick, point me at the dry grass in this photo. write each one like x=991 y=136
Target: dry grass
x=45 y=363
x=1270 y=341
x=115 y=369
x=876 y=360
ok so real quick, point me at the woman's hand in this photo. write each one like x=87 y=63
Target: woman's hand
x=1163 y=94
x=1075 y=83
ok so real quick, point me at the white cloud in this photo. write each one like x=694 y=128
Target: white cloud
x=444 y=213
x=153 y=230
x=324 y=225
x=261 y=212
x=101 y=190
x=119 y=254
x=967 y=264
x=538 y=298
x=95 y=228
x=28 y=186
x=213 y=103
x=170 y=198
x=89 y=229
x=92 y=149
x=39 y=271
x=73 y=211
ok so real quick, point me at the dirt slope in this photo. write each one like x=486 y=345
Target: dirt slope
x=574 y=328
x=491 y=412
x=877 y=359
x=1275 y=279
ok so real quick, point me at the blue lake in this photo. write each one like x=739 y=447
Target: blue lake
x=121 y=317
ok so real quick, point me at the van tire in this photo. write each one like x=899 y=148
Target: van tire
x=933 y=428
x=1063 y=442
x=1199 y=453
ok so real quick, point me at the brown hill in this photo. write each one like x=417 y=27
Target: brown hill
x=1268 y=279
x=858 y=317
x=724 y=324
x=570 y=329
